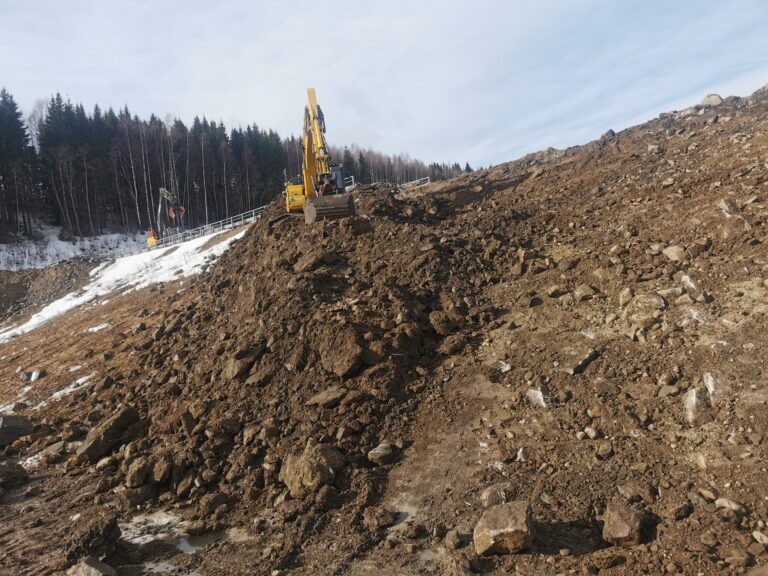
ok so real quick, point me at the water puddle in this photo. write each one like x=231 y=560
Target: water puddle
x=191 y=544
x=169 y=529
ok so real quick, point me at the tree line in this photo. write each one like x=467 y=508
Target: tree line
x=101 y=171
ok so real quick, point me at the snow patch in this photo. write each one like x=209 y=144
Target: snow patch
x=66 y=391
x=51 y=250
x=98 y=327
x=131 y=273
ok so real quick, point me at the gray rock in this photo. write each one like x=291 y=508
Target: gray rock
x=583 y=292
x=12 y=475
x=578 y=362
x=385 y=453
x=621 y=524
x=13 y=427
x=111 y=432
x=493 y=496
x=625 y=296
x=712 y=100
x=91 y=566
x=675 y=253
x=504 y=529
x=313 y=468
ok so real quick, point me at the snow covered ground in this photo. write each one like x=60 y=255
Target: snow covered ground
x=51 y=250
x=131 y=273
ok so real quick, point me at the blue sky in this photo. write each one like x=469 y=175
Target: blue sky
x=449 y=80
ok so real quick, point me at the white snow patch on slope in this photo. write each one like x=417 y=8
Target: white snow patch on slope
x=66 y=391
x=50 y=250
x=98 y=327
x=131 y=273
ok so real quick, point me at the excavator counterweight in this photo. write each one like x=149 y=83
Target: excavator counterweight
x=319 y=191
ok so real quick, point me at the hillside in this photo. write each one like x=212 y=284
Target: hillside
x=579 y=331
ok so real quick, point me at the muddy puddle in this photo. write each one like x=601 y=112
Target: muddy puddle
x=165 y=534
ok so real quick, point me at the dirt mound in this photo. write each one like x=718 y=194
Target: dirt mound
x=579 y=330
x=32 y=289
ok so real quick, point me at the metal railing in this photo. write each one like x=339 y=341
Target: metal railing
x=173 y=239
x=220 y=226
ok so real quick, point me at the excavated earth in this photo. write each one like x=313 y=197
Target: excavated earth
x=583 y=331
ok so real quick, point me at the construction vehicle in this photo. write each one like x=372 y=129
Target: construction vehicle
x=171 y=217
x=319 y=191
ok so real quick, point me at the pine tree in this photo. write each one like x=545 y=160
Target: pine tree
x=348 y=164
x=364 y=169
x=468 y=168
x=14 y=141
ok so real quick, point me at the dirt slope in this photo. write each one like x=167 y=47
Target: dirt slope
x=579 y=329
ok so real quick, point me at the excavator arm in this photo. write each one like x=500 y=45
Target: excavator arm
x=317 y=170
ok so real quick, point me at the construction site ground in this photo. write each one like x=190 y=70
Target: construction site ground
x=582 y=330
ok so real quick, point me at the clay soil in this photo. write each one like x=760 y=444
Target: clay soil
x=571 y=329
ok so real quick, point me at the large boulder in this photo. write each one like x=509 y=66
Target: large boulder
x=108 y=434
x=504 y=529
x=313 y=468
x=13 y=427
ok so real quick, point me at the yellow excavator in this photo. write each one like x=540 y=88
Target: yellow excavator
x=319 y=191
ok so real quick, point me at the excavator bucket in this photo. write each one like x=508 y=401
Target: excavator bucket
x=328 y=207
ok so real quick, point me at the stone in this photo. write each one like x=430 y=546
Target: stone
x=236 y=368
x=385 y=453
x=760 y=537
x=12 y=475
x=625 y=296
x=583 y=293
x=493 y=496
x=374 y=519
x=453 y=539
x=137 y=473
x=667 y=182
x=313 y=468
x=13 y=427
x=555 y=291
x=674 y=253
x=111 y=432
x=91 y=566
x=328 y=398
x=343 y=355
x=732 y=505
x=95 y=532
x=712 y=100
x=504 y=529
x=758 y=571
x=622 y=524
x=452 y=344
x=579 y=361
x=161 y=472
x=442 y=323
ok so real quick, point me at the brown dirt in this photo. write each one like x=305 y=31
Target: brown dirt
x=27 y=290
x=432 y=320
